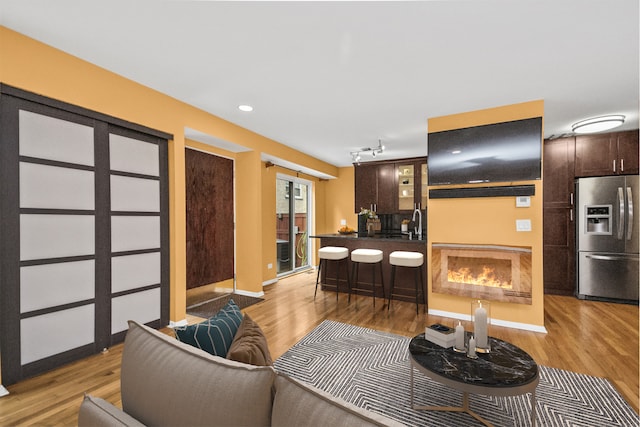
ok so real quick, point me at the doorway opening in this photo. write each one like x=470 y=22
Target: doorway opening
x=293 y=219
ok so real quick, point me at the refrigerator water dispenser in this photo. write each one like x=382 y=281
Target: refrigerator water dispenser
x=598 y=219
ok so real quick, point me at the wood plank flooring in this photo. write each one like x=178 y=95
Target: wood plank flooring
x=593 y=338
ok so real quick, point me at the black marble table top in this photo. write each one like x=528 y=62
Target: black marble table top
x=505 y=366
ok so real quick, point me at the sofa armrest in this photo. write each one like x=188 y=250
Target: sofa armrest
x=98 y=412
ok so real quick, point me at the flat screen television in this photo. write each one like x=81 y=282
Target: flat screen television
x=500 y=152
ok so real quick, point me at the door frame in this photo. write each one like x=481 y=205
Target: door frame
x=309 y=184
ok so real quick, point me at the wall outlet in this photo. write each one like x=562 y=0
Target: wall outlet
x=523 y=225
x=270 y=266
x=343 y=222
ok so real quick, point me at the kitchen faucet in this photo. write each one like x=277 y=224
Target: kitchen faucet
x=417 y=230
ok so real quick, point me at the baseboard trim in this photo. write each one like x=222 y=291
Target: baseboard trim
x=250 y=294
x=497 y=322
x=179 y=323
x=269 y=282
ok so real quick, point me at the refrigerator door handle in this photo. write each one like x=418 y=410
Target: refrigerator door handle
x=629 y=213
x=620 y=201
x=611 y=257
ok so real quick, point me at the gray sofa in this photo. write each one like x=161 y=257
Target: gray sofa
x=168 y=383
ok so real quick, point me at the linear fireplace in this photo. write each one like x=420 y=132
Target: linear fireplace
x=497 y=273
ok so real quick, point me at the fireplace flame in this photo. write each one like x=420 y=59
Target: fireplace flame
x=487 y=278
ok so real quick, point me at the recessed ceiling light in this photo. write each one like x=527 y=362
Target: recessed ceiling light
x=245 y=108
x=597 y=124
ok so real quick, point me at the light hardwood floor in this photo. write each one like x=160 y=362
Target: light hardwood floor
x=593 y=338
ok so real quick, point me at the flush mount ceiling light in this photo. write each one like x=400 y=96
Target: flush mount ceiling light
x=245 y=108
x=374 y=151
x=598 y=124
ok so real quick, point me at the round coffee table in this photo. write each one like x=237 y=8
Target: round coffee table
x=506 y=371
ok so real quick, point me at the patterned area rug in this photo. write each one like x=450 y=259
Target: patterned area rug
x=371 y=370
x=209 y=308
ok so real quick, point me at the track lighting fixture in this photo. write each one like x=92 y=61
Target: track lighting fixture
x=355 y=155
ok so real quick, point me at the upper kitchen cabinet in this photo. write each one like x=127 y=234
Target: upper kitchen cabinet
x=375 y=187
x=412 y=184
x=607 y=154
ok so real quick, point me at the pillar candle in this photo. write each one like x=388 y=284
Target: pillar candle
x=471 y=352
x=480 y=326
x=459 y=336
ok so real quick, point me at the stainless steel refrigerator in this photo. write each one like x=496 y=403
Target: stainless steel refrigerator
x=607 y=237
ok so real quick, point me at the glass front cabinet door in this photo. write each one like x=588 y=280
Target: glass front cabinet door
x=412 y=185
x=424 y=186
x=406 y=186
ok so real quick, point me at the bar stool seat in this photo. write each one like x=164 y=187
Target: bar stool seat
x=332 y=253
x=407 y=259
x=367 y=256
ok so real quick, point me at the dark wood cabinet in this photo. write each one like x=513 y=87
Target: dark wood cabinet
x=558 y=217
x=607 y=154
x=375 y=187
x=628 y=152
x=390 y=187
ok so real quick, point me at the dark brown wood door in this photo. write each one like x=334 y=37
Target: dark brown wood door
x=628 y=152
x=209 y=194
x=558 y=216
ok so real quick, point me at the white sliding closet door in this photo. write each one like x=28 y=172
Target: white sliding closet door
x=135 y=231
x=57 y=238
x=84 y=231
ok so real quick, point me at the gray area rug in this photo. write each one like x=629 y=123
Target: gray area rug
x=371 y=370
x=209 y=308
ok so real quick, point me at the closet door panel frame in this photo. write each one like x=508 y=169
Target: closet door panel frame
x=12 y=100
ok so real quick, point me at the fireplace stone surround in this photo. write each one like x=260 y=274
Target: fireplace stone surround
x=488 y=272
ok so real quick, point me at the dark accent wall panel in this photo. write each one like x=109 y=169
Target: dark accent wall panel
x=209 y=194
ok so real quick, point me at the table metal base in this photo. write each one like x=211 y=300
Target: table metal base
x=465 y=403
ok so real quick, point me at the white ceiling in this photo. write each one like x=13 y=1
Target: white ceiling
x=327 y=78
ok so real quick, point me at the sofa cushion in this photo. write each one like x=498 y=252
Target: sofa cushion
x=166 y=382
x=298 y=404
x=98 y=412
x=250 y=344
x=216 y=334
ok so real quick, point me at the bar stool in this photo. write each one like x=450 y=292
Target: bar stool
x=332 y=253
x=367 y=256
x=406 y=259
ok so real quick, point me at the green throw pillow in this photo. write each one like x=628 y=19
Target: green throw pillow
x=216 y=334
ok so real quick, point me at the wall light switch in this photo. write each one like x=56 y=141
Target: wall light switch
x=269 y=266
x=343 y=222
x=523 y=225
x=523 y=201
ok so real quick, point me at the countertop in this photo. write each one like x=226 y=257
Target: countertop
x=392 y=237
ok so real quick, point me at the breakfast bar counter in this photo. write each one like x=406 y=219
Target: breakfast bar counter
x=386 y=242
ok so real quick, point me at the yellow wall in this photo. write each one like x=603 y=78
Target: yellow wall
x=489 y=221
x=36 y=67
x=341 y=192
